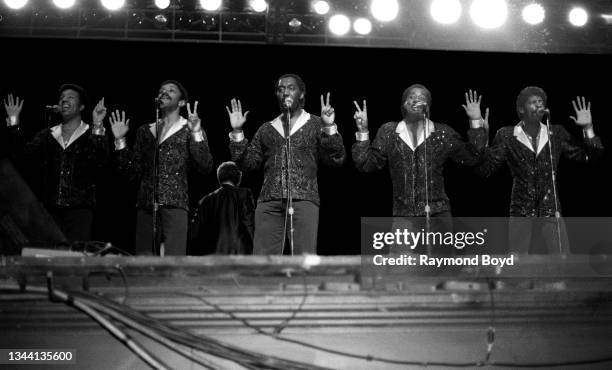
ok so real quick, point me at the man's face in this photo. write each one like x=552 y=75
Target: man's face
x=170 y=96
x=288 y=88
x=70 y=103
x=533 y=109
x=416 y=95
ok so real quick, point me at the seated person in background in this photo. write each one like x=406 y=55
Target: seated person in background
x=224 y=219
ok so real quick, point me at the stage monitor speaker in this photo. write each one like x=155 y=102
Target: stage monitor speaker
x=23 y=219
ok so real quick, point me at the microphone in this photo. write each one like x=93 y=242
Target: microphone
x=546 y=111
x=159 y=98
x=287 y=103
x=54 y=107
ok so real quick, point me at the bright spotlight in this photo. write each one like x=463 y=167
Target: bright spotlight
x=339 y=24
x=113 y=4
x=15 y=4
x=445 y=11
x=362 y=26
x=162 y=4
x=258 y=5
x=210 y=5
x=533 y=14
x=578 y=17
x=63 y=4
x=489 y=13
x=384 y=10
x=321 y=7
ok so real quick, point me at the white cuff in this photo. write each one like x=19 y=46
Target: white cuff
x=12 y=121
x=98 y=130
x=197 y=136
x=120 y=143
x=331 y=129
x=589 y=133
x=476 y=123
x=362 y=136
x=236 y=137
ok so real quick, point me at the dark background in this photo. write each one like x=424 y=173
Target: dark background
x=128 y=74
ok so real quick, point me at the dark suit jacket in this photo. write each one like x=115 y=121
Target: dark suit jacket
x=223 y=222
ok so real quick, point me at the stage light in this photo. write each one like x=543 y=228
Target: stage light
x=63 y=4
x=578 y=17
x=362 y=26
x=445 y=11
x=489 y=13
x=210 y=5
x=162 y=4
x=339 y=24
x=113 y=4
x=533 y=14
x=258 y=5
x=15 y=4
x=384 y=10
x=321 y=7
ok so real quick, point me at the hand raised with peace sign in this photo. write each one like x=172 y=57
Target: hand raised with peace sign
x=361 y=116
x=193 y=121
x=327 y=112
x=237 y=119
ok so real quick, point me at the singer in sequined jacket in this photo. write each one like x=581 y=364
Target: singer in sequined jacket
x=529 y=156
x=409 y=165
x=313 y=139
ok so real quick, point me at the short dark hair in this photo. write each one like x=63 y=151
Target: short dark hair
x=525 y=94
x=297 y=79
x=182 y=89
x=407 y=91
x=83 y=98
x=228 y=171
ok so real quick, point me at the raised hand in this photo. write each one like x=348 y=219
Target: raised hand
x=13 y=106
x=361 y=116
x=583 y=113
x=237 y=119
x=119 y=125
x=193 y=121
x=472 y=105
x=327 y=112
x=99 y=112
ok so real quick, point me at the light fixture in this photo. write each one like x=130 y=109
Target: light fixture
x=339 y=24
x=445 y=11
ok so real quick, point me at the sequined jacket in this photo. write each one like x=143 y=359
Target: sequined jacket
x=69 y=175
x=309 y=145
x=532 y=190
x=407 y=167
x=177 y=155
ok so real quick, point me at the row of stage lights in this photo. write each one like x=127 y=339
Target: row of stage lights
x=488 y=14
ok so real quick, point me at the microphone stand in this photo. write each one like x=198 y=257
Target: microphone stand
x=427 y=207
x=289 y=210
x=155 y=181
x=553 y=176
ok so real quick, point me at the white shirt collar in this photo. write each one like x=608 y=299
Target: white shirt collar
x=407 y=135
x=176 y=126
x=301 y=121
x=56 y=132
x=522 y=137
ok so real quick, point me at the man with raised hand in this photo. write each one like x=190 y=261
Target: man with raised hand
x=312 y=140
x=181 y=144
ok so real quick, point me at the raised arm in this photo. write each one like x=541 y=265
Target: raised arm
x=247 y=157
x=366 y=157
x=128 y=159
x=199 y=151
x=332 y=147
x=591 y=148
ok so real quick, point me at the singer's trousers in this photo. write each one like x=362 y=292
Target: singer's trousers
x=171 y=229
x=537 y=235
x=269 y=222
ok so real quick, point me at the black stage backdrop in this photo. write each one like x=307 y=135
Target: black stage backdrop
x=128 y=73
